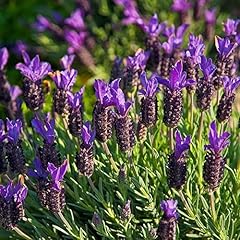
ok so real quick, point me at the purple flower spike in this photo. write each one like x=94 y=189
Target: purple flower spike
x=64 y=79
x=224 y=46
x=66 y=61
x=76 y=20
x=17 y=192
x=33 y=69
x=169 y=207
x=217 y=143
x=182 y=145
x=139 y=61
x=207 y=67
x=15 y=92
x=154 y=28
x=45 y=129
x=177 y=78
x=230 y=84
x=57 y=174
x=210 y=16
x=181 y=6
x=14 y=129
x=230 y=27
x=2 y=133
x=3 y=58
x=38 y=172
x=75 y=100
x=150 y=86
x=88 y=135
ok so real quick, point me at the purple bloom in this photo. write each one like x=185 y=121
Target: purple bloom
x=15 y=92
x=2 y=133
x=230 y=27
x=64 y=79
x=75 y=40
x=16 y=192
x=3 y=57
x=207 y=67
x=75 y=100
x=57 y=173
x=210 y=16
x=45 y=129
x=139 y=60
x=169 y=207
x=42 y=23
x=181 y=6
x=66 y=61
x=169 y=46
x=230 y=84
x=224 y=46
x=154 y=28
x=177 y=78
x=88 y=135
x=217 y=143
x=76 y=20
x=38 y=172
x=182 y=145
x=14 y=129
x=33 y=69
x=150 y=86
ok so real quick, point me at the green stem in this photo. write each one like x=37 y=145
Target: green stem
x=65 y=222
x=109 y=155
x=171 y=135
x=212 y=204
x=191 y=110
x=200 y=127
x=22 y=234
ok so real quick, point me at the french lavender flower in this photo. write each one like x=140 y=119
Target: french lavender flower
x=205 y=88
x=230 y=28
x=33 y=71
x=64 y=81
x=76 y=20
x=3 y=162
x=177 y=169
x=85 y=157
x=48 y=151
x=4 y=85
x=149 y=108
x=123 y=123
x=224 y=109
x=193 y=57
x=224 y=61
x=210 y=22
x=14 y=151
x=12 y=198
x=213 y=168
x=173 y=98
x=75 y=117
x=182 y=7
x=66 y=61
x=135 y=65
x=117 y=69
x=168 y=223
x=172 y=50
x=50 y=188
x=198 y=9
x=153 y=29
x=103 y=114
x=126 y=211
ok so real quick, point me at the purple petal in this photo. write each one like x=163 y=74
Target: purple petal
x=169 y=207
x=3 y=58
x=66 y=61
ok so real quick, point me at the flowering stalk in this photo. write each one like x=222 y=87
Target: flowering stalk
x=33 y=71
x=168 y=223
x=117 y=69
x=199 y=7
x=182 y=7
x=210 y=22
x=126 y=211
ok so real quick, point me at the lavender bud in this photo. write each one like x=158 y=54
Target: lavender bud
x=126 y=211
x=122 y=175
x=96 y=220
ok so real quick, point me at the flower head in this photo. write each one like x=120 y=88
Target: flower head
x=17 y=192
x=230 y=27
x=38 y=172
x=150 y=86
x=210 y=16
x=88 y=135
x=45 y=129
x=2 y=133
x=230 y=84
x=76 y=20
x=139 y=60
x=217 y=142
x=33 y=69
x=181 y=6
x=177 y=78
x=14 y=129
x=169 y=207
x=207 y=67
x=3 y=57
x=75 y=100
x=57 y=174
x=64 y=79
x=66 y=61
x=182 y=145
x=224 y=46
x=153 y=28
